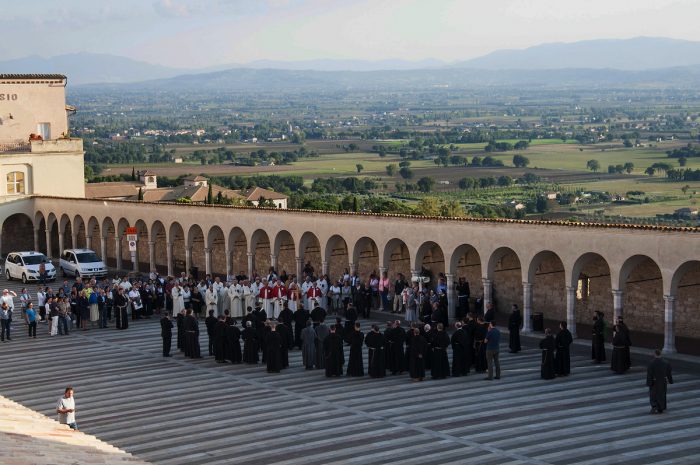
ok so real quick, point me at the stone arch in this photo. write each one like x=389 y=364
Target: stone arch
x=285 y=252
x=504 y=270
x=176 y=237
x=260 y=248
x=126 y=263
x=92 y=235
x=142 y=258
x=79 y=232
x=216 y=243
x=685 y=287
x=546 y=274
x=238 y=248
x=158 y=236
x=365 y=257
x=336 y=257
x=309 y=252
x=591 y=280
x=641 y=282
x=17 y=233
x=465 y=262
x=430 y=261
x=40 y=228
x=107 y=232
x=66 y=228
x=196 y=246
x=53 y=228
x=396 y=258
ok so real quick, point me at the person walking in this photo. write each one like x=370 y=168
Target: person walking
x=66 y=409
x=493 y=341
x=658 y=377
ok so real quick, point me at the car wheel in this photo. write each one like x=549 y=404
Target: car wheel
x=7 y=273
x=24 y=278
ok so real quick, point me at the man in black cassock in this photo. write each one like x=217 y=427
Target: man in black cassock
x=621 y=360
x=440 y=365
x=548 y=346
x=598 y=338
x=286 y=336
x=180 y=321
x=398 y=335
x=210 y=323
x=350 y=319
x=376 y=359
x=417 y=351
x=322 y=333
x=233 y=342
x=514 y=323
x=480 y=332
x=333 y=353
x=469 y=329
x=286 y=316
x=356 y=366
x=166 y=332
x=463 y=293
x=459 y=355
x=250 y=344
x=562 y=359
x=318 y=316
x=301 y=316
x=273 y=352
x=191 y=336
x=658 y=375
x=219 y=339
x=339 y=329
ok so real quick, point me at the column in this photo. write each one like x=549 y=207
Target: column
x=300 y=267
x=527 y=306
x=207 y=260
x=487 y=292
x=273 y=261
x=669 y=330
x=60 y=242
x=188 y=259
x=451 y=299
x=324 y=267
x=103 y=248
x=352 y=268
x=571 y=309
x=36 y=240
x=169 y=251
x=251 y=257
x=617 y=303
x=152 y=255
x=135 y=260
x=74 y=238
x=88 y=242
x=229 y=266
x=118 y=251
x=48 y=242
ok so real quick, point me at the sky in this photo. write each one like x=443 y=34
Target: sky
x=202 y=33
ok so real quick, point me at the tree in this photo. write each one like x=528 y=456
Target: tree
x=682 y=161
x=629 y=167
x=627 y=143
x=650 y=171
x=404 y=164
x=521 y=145
x=133 y=173
x=210 y=196
x=685 y=189
x=467 y=183
x=505 y=181
x=452 y=208
x=541 y=204
x=359 y=168
x=520 y=161
x=425 y=184
x=593 y=165
x=392 y=169
x=476 y=161
x=140 y=196
x=353 y=146
x=428 y=206
x=406 y=173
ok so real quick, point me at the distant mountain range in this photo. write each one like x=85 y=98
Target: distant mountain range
x=595 y=61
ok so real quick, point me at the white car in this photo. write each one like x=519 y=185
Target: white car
x=25 y=266
x=81 y=262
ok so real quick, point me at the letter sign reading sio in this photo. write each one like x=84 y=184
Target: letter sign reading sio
x=8 y=97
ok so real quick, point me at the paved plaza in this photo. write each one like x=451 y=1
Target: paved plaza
x=182 y=411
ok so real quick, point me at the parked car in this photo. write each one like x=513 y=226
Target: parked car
x=25 y=266
x=81 y=262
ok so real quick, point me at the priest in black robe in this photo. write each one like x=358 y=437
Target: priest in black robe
x=469 y=330
x=210 y=322
x=548 y=346
x=375 y=356
x=166 y=333
x=286 y=316
x=286 y=334
x=598 y=338
x=273 y=352
x=250 y=344
x=459 y=349
x=192 y=348
x=301 y=316
x=389 y=347
x=398 y=335
x=416 y=356
x=658 y=376
x=350 y=319
x=333 y=353
x=621 y=360
x=514 y=323
x=480 y=331
x=308 y=346
x=219 y=339
x=318 y=315
x=440 y=365
x=339 y=328
x=233 y=342
x=322 y=333
x=356 y=366
x=429 y=334
x=562 y=359
x=180 y=322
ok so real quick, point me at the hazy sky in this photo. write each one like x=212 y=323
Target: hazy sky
x=196 y=33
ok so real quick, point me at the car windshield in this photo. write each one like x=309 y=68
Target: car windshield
x=34 y=259
x=87 y=257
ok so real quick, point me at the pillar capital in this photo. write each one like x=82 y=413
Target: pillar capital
x=669 y=298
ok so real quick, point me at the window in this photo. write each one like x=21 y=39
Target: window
x=15 y=182
x=583 y=290
x=44 y=130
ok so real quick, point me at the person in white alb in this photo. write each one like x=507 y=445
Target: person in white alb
x=211 y=298
x=235 y=294
x=248 y=295
x=66 y=409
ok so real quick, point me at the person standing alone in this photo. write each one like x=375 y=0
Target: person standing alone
x=658 y=376
x=66 y=409
x=493 y=341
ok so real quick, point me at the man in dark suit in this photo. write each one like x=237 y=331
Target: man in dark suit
x=658 y=374
x=166 y=332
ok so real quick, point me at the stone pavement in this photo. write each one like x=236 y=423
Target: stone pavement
x=180 y=411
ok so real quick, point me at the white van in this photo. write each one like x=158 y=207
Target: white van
x=81 y=262
x=25 y=266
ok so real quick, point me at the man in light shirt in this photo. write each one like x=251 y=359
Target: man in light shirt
x=66 y=409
